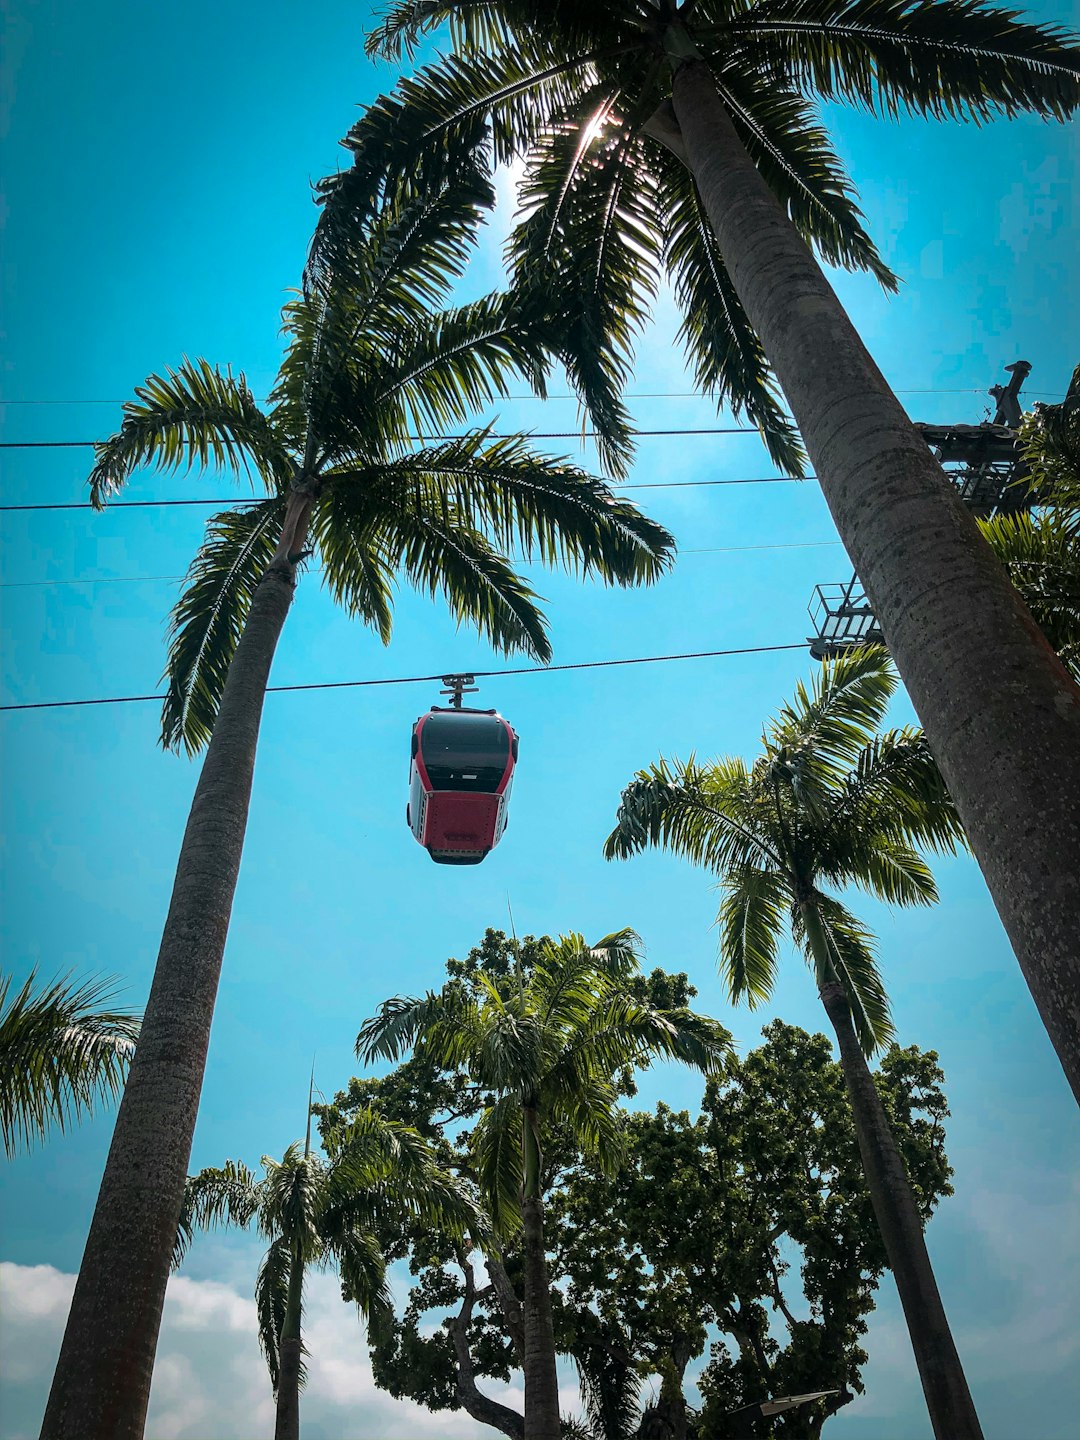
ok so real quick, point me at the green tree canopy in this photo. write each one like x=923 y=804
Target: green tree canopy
x=752 y=1221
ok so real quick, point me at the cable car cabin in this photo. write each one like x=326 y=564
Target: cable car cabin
x=459 y=782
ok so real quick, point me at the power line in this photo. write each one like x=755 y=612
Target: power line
x=427 y=679
x=242 y=500
x=529 y=435
x=630 y=395
x=144 y=579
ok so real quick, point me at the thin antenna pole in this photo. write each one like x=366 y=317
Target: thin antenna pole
x=310 y=1095
x=517 y=956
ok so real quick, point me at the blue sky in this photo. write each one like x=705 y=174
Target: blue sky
x=157 y=198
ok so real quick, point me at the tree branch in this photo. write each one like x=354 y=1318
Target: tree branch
x=480 y=1406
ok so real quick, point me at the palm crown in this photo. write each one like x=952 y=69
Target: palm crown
x=831 y=801
x=318 y=1212
x=548 y=1050
x=368 y=368
x=580 y=92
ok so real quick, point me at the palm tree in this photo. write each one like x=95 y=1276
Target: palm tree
x=365 y=368
x=548 y=1051
x=831 y=801
x=677 y=136
x=315 y=1212
x=61 y=1049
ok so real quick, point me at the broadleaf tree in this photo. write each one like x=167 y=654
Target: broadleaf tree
x=367 y=367
x=681 y=138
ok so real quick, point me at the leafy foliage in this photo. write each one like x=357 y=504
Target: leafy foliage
x=752 y=1222
x=832 y=800
x=1041 y=551
x=369 y=368
x=381 y=1175
x=63 y=1048
x=551 y=1045
x=575 y=90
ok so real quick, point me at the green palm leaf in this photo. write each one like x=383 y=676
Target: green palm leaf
x=726 y=354
x=63 y=1048
x=957 y=59
x=853 y=965
x=751 y=920
x=194 y=415
x=208 y=619
x=496 y=1143
x=271 y=1299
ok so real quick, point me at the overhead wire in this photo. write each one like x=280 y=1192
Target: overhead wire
x=428 y=679
x=144 y=579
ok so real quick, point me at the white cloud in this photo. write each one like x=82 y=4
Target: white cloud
x=210 y=1378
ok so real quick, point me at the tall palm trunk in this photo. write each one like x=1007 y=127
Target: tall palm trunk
x=541 y=1380
x=287 y=1419
x=1001 y=713
x=102 y=1383
x=952 y=1411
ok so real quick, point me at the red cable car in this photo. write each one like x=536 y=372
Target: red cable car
x=460 y=777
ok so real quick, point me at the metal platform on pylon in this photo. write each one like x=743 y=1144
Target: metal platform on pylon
x=984 y=463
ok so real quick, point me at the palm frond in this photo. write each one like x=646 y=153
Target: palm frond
x=751 y=920
x=728 y=360
x=496 y=1143
x=63 y=1048
x=703 y=813
x=610 y=1388
x=952 y=59
x=787 y=142
x=192 y=415
x=363 y=1271
x=228 y=1195
x=356 y=569
x=208 y=619
x=292 y=1195
x=441 y=368
x=545 y=509
x=836 y=717
x=271 y=1300
x=590 y=246
x=853 y=964
x=894 y=791
x=439 y=553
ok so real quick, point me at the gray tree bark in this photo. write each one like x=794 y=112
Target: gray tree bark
x=541 y=1380
x=287 y=1397
x=101 y=1387
x=1000 y=711
x=952 y=1411
x=472 y=1399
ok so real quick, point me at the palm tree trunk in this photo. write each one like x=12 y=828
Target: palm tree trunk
x=101 y=1386
x=541 y=1380
x=287 y=1419
x=1001 y=712
x=952 y=1411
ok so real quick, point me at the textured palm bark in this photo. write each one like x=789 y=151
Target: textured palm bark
x=541 y=1380
x=952 y=1411
x=1001 y=713
x=287 y=1413
x=101 y=1386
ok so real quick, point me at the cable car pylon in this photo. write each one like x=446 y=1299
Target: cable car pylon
x=985 y=464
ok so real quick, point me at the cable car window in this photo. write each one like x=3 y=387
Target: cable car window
x=465 y=752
